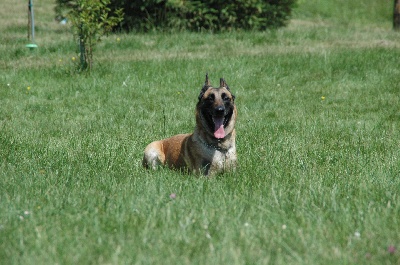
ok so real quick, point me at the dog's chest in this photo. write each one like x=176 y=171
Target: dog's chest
x=218 y=161
x=209 y=158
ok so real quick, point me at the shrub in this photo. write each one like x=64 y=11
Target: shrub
x=142 y=15
x=219 y=15
x=195 y=15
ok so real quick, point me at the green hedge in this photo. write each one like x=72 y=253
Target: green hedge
x=210 y=15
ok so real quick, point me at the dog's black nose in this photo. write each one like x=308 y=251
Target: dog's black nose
x=220 y=110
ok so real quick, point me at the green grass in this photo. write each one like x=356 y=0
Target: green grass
x=318 y=139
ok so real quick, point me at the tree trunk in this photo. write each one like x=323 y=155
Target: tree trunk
x=82 y=49
x=396 y=15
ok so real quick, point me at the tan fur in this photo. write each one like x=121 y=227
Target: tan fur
x=199 y=152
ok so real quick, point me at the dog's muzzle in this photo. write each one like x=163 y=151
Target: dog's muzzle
x=218 y=119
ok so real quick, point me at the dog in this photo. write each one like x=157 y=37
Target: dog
x=211 y=148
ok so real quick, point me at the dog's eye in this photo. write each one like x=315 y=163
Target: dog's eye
x=211 y=97
x=225 y=97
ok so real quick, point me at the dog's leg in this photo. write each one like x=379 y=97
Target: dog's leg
x=153 y=155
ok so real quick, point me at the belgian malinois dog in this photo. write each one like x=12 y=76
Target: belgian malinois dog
x=211 y=148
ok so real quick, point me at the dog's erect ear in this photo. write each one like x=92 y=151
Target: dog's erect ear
x=207 y=84
x=222 y=83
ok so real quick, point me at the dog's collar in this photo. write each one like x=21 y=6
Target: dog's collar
x=212 y=146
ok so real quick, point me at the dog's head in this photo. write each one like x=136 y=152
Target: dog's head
x=216 y=108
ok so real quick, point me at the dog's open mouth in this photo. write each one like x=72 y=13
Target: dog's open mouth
x=219 y=131
x=217 y=122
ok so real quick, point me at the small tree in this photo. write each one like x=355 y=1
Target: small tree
x=396 y=15
x=90 y=21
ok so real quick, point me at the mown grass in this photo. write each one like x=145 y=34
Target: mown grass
x=318 y=140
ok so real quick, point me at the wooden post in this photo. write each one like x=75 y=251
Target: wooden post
x=396 y=15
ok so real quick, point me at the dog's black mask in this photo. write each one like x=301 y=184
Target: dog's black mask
x=216 y=106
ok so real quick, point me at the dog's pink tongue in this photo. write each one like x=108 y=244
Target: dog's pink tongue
x=219 y=128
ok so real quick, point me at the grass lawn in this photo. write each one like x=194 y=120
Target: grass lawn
x=318 y=138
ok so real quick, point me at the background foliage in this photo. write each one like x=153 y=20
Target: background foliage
x=215 y=15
